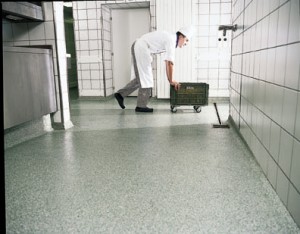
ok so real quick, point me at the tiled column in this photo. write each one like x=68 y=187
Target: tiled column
x=62 y=118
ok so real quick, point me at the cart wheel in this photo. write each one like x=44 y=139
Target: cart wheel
x=197 y=109
x=173 y=109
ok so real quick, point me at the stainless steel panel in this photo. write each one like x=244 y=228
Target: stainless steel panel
x=28 y=84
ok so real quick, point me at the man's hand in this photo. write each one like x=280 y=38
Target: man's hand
x=175 y=84
x=169 y=70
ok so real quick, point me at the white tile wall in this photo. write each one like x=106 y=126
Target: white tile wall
x=285 y=152
x=297 y=124
x=294 y=26
x=283 y=22
x=87 y=24
x=282 y=186
x=295 y=173
x=292 y=66
x=20 y=31
x=272 y=29
x=272 y=171
x=269 y=113
x=280 y=65
x=93 y=45
x=213 y=55
x=294 y=202
x=36 y=31
x=270 y=69
x=274 y=141
x=289 y=110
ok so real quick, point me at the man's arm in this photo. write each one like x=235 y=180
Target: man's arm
x=169 y=70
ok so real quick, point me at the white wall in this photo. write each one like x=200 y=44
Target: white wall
x=171 y=16
x=88 y=33
x=265 y=90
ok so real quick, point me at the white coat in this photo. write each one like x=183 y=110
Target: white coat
x=152 y=43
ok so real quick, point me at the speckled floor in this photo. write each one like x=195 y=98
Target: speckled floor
x=117 y=171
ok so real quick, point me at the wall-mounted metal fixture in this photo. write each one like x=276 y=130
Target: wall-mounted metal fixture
x=22 y=11
x=227 y=27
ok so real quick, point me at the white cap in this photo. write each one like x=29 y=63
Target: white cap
x=187 y=31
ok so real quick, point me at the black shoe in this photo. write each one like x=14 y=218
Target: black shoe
x=120 y=100
x=143 y=109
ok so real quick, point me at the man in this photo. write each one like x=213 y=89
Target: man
x=142 y=49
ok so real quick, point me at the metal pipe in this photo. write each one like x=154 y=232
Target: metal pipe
x=227 y=27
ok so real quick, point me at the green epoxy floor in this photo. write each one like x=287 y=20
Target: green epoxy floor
x=117 y=171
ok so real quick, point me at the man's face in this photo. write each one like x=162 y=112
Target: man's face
x=182 y=41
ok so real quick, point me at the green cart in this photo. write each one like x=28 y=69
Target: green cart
x=189 y=94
